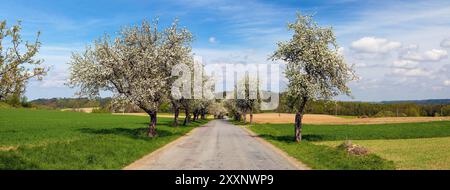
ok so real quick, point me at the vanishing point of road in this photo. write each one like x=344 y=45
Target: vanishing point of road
x=217 y=145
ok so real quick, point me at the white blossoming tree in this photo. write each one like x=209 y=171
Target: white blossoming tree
x=136 y=66
x=314 y=68
x=248 y=97
x=17 y=63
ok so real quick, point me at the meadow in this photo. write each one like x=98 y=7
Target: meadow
x=391 y=146
x=50 y=139
x=45 y=139
x=411 y=154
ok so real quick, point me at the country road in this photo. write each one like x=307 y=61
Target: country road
x=218 y=145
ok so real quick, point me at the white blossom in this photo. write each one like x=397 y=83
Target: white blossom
x=136 y=66
x=314 y=67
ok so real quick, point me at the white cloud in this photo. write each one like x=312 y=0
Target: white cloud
x=393 y=16
x=430 y=55
x=435 y=54
x=445 y=43
x=404 y=63
x=56 y=58
x=414 y=72
x=373 y=45
x=447 y=82
x=212 y=40
x=53 y=82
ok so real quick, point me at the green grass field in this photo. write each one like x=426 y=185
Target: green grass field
x=359 y=132
x=41 y=139
x=319 y=152
x=347 y=116
x=416 y=154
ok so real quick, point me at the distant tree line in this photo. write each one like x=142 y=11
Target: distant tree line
x=61 y=103
x=370 y=109
x=359 y=109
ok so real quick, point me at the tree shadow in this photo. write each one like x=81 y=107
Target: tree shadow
x=136 y=133
x=11 y=161
x=289 y=138
x=159 y=123
x=312 y=137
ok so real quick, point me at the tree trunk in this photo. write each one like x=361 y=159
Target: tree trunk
x=298 y=120
x=176 y=110
x=175 y=119
x=245 y=117
x=203 y=114
x=238 y=117
x=194 y=118
x=152 y=125
x=187 y=119
x=298 y=126
x=251 y=117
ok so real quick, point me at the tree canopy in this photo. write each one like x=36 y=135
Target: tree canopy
x=17 y=62
x=136 y=66
x=314 y=67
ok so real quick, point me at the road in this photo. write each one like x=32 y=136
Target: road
x=218 y=145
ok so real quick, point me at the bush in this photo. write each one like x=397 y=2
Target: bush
x=385 y=114
x=24 y=102
x=101 y=110
x=412 y=112
x=16 y=101
x=4 y=105
x=445 y=110
x=13 y=101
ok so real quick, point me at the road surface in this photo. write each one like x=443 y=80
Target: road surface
x=218 y=145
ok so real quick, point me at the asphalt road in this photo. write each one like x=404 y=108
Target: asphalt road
x=218 y=145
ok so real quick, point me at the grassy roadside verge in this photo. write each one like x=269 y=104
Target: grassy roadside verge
x=405 y=145
x=410 y=154
x=315 y=156
x=42 y=139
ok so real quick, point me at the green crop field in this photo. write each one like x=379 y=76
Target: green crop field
x=40 y=139
x=401 y=146
x=417 y=154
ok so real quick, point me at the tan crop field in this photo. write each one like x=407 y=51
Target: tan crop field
x=89 y=110
x=84 y=110
x=329 y=119
x=308 y=118
x=162 y=115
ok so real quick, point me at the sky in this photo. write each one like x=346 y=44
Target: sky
x=399 y=49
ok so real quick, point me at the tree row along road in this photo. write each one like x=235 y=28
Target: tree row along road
x=217 y=145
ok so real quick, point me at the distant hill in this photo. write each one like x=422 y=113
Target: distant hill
x=422 y=102
x=59 y=103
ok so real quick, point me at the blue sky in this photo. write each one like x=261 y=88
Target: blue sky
x=399 y=48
